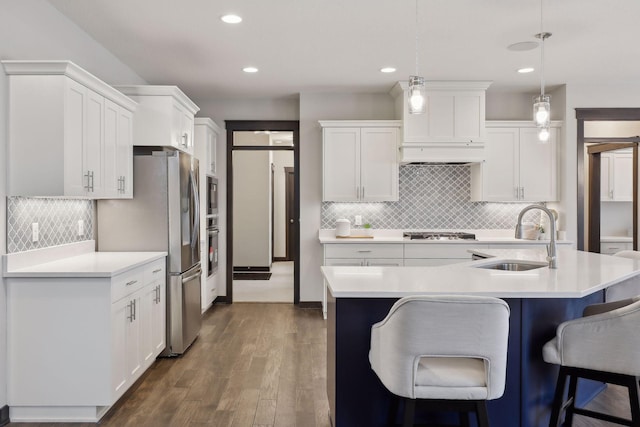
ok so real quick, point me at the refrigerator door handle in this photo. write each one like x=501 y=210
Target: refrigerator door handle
x=196 y=219
x=192 y=276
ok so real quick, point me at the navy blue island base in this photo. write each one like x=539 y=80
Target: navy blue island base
x=358 y=399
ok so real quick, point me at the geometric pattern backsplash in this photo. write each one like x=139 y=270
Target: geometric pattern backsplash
x=431 y=197
x=57 y=222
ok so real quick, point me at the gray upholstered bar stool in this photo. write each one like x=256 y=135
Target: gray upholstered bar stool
x=602 y=346
x=449 y=352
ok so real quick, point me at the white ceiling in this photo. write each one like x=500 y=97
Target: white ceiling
x=340 y=45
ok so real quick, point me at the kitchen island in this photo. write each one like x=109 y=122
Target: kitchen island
x=539 y=300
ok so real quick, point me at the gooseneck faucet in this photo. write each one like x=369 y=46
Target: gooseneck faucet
x=552 y=250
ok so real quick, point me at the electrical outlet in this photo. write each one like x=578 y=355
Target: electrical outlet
x=358 y=220
x=35 y=233
x=80 y=227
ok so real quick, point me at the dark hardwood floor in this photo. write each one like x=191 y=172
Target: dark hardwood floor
x=253 y=365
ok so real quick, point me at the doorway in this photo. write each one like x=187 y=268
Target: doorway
x=590 y=149
x=263 y=226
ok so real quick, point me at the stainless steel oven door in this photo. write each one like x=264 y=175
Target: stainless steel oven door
x=212 y=259
x=212 y=196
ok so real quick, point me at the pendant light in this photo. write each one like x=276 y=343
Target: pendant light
x=542 y=104
x=417 y=88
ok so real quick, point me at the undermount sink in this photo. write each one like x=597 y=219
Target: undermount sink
x=512 y=266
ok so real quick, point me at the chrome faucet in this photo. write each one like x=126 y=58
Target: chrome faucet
x=552 y=249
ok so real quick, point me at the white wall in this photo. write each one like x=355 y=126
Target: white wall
x=33 y=29
x=281 y=159
x=251 y=209
x=314 y=107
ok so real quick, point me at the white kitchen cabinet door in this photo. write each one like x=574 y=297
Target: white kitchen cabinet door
x=158 y=321
x=379 y=173
x=94 y=142
x=606 y=170
x=120 y=380
x=500 y=170
x=147 y=302
x=118 y=152
x=623 y=177
x=124 y=151
x=76 y=177
x=538 y=166
x=133 y=337
x=341 y=164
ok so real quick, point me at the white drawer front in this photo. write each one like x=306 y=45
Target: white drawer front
x=438 y=250
x=611 y=248
x=126 y=283
x=155 y=271
x=357 y=250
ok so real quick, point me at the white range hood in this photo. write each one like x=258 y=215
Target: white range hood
x=452 y=130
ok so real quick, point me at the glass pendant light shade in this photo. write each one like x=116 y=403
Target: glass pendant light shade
x=542 y=111
x=417 y=95
x=543 y=134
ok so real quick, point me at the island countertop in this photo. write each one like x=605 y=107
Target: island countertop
x=578 y=274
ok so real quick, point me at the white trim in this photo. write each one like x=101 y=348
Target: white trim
x=158 y=90
x=360 y=123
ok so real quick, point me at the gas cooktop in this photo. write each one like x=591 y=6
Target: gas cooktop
x=438 y=235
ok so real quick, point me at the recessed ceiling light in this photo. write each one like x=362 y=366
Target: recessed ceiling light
x=231 y=19
x=522 y=46
x=526 y=70
x=250 y=69
x=388 y=70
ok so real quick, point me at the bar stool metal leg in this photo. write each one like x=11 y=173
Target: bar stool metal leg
x=558 y=398
x=409 y=412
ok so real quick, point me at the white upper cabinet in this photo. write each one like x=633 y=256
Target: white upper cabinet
x=63 y=126
x=616 y=176
x=207 y=133
x=360 y=161
x=518 y=167
x=164 y=117
x=453 y=127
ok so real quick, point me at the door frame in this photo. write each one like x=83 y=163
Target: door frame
x=261 y=125
x=290 y=241
x=599 y=114
x=595 y=168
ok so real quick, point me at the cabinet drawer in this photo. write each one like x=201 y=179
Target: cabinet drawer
x=126 y=283
x=155 y=272
x=357 y=250
x=437 y=250
x=610 y=248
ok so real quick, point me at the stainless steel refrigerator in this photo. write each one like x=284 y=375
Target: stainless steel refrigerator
x=162 y=216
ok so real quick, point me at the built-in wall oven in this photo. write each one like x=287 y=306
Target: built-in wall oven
x=212 y=242
x=212 y=225
x=212 y=196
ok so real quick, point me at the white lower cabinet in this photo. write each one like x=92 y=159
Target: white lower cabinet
x=76 y=344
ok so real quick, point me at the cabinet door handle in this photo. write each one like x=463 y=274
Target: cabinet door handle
x=363 y=191
x=131 y=283
x=363 y=251
x=134 y=309
x=130 y=316
x=88 y=176
x=185 y=139
x=158 y=270
x=521 y=193
x=611 y=194
x=516 y=192
x=91 y=177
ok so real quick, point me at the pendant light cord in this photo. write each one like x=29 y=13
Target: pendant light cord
x=417 y=39
x=542 y=37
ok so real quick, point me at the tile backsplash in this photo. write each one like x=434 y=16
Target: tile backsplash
x=431 y=197
x=57 y=222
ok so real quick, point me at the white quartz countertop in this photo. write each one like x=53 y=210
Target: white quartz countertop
x=328 y=236
x=578 y=274
x=92 y=264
